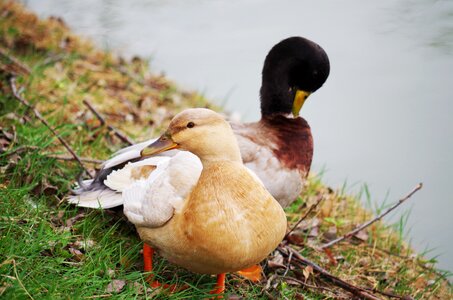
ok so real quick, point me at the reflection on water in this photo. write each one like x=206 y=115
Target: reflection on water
x=384 y=115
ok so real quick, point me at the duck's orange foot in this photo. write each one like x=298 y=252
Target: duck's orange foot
x=148 y=266
x=252 y=273
x=219 y=287
x=169 y=287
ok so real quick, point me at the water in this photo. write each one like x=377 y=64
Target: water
x=384 y=115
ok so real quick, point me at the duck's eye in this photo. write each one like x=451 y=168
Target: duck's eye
x=190 y=125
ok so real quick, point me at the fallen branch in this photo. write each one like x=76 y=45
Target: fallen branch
x=355 y=290
x=320 y=197
x=377 y=218
x=20 y=65
x=43 y=121
x=115 y=131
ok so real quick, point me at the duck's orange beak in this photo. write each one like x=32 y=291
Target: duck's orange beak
x=164 y=143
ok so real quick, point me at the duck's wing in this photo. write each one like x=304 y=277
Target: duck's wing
x=94 y=198
x=126 y=154
x=109 y=193
x=123 y=169
x=152 y=202
x=258 y=153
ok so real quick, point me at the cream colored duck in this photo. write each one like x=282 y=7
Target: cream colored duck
x=222 y=220
x=278 y=148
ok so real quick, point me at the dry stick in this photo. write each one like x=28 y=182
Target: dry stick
x=355 y=290
x=320 y=197
x=390 y=295
x=24 y=68
x=288 y=265
x=121 y=136
x=41 y=118
x=377 y=218
x=308 y=285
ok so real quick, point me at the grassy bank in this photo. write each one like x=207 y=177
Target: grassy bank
x=50 y=250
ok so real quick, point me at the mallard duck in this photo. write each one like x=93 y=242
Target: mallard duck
x=278 y=148
x=222 y=220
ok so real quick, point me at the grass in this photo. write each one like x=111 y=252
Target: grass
x=50 y=250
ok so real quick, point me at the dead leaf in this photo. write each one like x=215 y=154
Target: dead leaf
x=71 y=221
x=277 y=261
x=420 y=283
x=115 y=286
x=314 y=232
x=295 y=239
x=84 y=244
x=45 y=188
x=77 y=254
x=364 y=261
x=299 y=296
x=125 y=261
x=292 y=282
x=331 y=234
x=362 y=235
x=60 y=214
x=6 y=138
x=329 y=254
x=308 y=224
x=307 y=272
x=235 y=297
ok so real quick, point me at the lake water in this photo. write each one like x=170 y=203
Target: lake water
x=384 y=116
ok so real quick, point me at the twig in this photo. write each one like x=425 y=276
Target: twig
x=355 y=290
x=377 y=218
x=288 y=264
x=308 y=285
x=70 y=158
x=391 y=295
x=121 y=136
x=23 y=67
x=41 y=118
x=21 y=149
x=320 y=198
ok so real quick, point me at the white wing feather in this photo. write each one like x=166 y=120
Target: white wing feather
x=126 y=154
x=152 y=202
x=102 y=198
x=121 y=179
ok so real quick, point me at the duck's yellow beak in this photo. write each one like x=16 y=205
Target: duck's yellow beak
x=299 y=100
x=164 y=143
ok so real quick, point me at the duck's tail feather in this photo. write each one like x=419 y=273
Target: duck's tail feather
x=87 y=195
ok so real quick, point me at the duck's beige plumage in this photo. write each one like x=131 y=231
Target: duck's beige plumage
x=227 y=222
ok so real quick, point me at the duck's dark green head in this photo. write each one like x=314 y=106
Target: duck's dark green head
x=293 y=69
